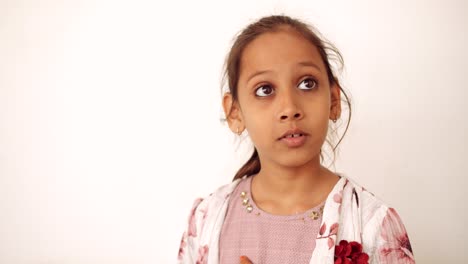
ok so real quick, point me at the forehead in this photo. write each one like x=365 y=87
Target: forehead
x=279 y=49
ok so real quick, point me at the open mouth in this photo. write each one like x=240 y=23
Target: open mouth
x=293 y=135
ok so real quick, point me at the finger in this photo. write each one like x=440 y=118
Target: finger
x=245 y=260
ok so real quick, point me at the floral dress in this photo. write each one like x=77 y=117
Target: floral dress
x=351 y=214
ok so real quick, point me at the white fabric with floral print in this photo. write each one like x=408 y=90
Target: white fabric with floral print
x=351 y=213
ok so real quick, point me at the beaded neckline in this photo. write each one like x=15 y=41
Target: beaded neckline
x=250 y=207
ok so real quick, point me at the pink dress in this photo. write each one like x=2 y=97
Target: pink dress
x=263 y=237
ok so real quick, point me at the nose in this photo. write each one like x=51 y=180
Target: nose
x=289 y=107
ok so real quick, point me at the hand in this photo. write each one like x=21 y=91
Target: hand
x=245 y=260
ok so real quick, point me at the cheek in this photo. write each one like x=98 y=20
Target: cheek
x=318 y=119
x=320 y=114
x=259 y=126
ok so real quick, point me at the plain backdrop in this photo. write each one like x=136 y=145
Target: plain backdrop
x=109 y=120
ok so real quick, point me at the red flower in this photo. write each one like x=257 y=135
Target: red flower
x=350 y=253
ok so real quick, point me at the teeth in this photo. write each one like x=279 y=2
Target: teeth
x=294 y=135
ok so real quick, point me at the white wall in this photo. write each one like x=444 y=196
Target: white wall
x=109 y=120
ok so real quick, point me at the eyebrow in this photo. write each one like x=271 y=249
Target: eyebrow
x=302 y=63
x=310 y=64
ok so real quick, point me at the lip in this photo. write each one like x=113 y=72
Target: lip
x=293 y=131
x=294 y=142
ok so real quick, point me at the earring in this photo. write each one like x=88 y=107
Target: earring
x=334 y=119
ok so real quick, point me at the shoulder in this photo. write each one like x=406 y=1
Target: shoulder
x=383 y=231
x=370 y=208
x=206 y=207
x=220 y=194
x=368 y=202
x=206 y=212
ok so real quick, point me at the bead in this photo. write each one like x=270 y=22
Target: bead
x=249 y=208
x=314 y=215
x=243 y=194
x=245 y=201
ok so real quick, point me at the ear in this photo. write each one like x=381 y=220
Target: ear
x=335 y=105
x=233 y=113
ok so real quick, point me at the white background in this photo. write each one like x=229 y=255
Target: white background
x=109 y=120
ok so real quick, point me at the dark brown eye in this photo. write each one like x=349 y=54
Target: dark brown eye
x=264 y=90
x=309 y=84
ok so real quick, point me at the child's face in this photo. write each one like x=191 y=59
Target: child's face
x=295 y=93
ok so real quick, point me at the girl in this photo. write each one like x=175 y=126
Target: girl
x=283 y=206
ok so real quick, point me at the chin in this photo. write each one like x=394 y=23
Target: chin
x=296 y=159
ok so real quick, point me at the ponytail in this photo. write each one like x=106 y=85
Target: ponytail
x=252 y=166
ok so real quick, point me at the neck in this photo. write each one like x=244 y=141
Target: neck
x=309 y=183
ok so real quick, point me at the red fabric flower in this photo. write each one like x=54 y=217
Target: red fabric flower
x=350 y=253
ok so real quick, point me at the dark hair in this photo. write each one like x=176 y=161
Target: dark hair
x=328 y=53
